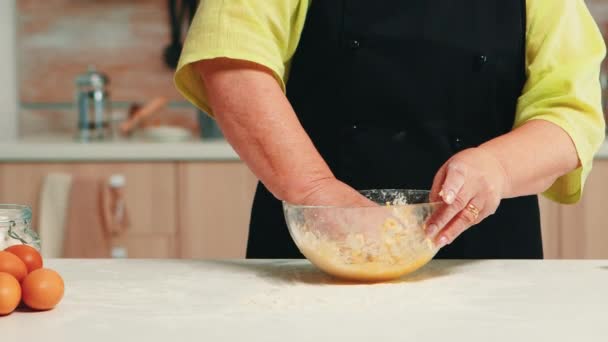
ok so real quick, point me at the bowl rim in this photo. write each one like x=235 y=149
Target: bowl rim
x=302 y=206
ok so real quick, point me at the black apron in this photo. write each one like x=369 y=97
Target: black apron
x=388 y=90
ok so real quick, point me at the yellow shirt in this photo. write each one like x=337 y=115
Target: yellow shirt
x=564 y=50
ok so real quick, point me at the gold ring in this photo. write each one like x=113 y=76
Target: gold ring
x=473 y=210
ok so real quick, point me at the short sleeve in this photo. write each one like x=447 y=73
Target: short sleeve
x=564 y=52
x=264 y=32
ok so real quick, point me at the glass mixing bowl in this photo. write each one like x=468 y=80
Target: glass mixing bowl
x=377 y=243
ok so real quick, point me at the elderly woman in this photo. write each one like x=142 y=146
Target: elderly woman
x=486 y=103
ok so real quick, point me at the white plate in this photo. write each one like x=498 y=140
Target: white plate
x=166 y=134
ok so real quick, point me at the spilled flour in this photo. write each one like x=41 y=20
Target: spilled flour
x=298 y=287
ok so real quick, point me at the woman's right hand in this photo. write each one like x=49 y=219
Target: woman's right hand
x=333 y=192
x=343 y=210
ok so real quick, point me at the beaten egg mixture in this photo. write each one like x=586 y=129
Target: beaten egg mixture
x=400 y=247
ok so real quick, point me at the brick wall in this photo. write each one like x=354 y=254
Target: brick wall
x=58 y=39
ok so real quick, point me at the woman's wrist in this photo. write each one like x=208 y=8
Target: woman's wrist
x=533 y=156
x=327 y=191
x=505 y=188
x=305 y=192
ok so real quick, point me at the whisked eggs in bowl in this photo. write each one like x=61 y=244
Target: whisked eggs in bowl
x=370 y=244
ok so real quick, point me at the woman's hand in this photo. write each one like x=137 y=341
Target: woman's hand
x=331 y=192
x=343 y=210
x=471 y=185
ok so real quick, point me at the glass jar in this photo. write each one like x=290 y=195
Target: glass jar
x=16 y=226
x=93 y=105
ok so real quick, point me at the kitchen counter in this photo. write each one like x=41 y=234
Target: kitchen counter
x=64 y=148
x=181 y=300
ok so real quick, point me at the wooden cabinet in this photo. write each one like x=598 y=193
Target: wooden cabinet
x=580 y=230
x=189 y=210
x=550 y=223
x=150 y=198
x=214 y=205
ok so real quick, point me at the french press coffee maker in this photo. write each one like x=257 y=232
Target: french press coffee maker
x=93 y=105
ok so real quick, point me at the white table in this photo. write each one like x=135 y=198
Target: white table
x=179 y=300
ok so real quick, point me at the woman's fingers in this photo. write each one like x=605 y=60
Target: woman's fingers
x=446 y=213
x=437 y=184
x=453 y=183
x=471 y=185
x=455 y=197
x=470 y=215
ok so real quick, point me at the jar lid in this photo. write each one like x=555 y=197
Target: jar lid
x=92 y=78
x=14 y=213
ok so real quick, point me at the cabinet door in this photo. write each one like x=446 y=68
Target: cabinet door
x=150 y=198
x=584 y=232
x=579 y=231
x=214 y=206
x=551 y=228
x=147 y=245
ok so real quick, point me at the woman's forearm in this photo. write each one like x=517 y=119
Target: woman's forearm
x=258 y=121
x=260 y=124
x=533 y=156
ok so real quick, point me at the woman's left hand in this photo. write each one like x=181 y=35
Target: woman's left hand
x=471 y=185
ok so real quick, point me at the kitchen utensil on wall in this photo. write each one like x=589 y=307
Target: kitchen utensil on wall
x=181 y=13
x=93 y=105
x=158 y=128
x=127 y=127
